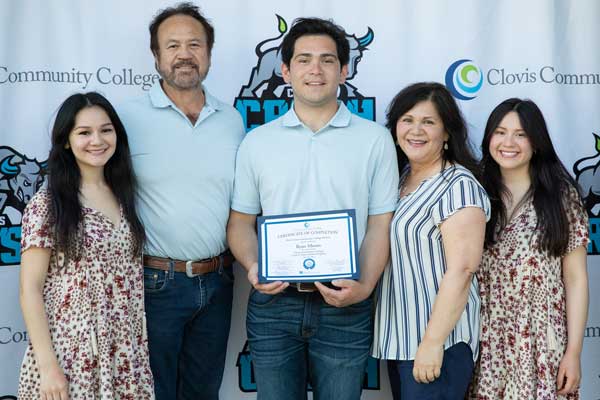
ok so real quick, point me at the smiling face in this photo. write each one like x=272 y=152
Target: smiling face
x=420 y=133
x=183 y=56
x=510 y=146
x=93 y=139
x=314 y=71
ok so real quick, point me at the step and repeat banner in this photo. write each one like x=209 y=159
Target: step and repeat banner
x=484 y=52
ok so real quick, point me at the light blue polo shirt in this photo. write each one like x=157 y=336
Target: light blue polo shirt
x=284 y=168
x=185 y=173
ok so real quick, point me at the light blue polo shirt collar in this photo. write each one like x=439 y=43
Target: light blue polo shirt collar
x=341 y=118
x=159 y=98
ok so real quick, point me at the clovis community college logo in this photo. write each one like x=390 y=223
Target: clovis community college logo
x=266 y=96
x=464 y=79
x=587 y=173
x=20 y=178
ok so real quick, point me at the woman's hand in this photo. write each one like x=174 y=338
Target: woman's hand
x=574 y=270
x=53 y=383
x=569 y=373
x=428 y=362
x=462 y=235
x=34 y=267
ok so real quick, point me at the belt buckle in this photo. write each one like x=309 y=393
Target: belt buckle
x=308 y=289
x=188 y=269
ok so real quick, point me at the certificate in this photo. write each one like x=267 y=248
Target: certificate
x=319 y=246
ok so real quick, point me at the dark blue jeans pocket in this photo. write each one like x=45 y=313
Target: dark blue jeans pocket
x=259 y=299
x=226 y=274
x=155 y=280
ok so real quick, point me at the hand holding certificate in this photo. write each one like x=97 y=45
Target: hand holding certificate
x=308 y=247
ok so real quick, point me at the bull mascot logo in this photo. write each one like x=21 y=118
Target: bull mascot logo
x=20 y=178
x=267 y=96
x=587 y=173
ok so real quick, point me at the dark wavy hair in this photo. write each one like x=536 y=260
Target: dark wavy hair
x=551 y=183
x=315 y=26
x=188 y=9
x=65 y=179
x=460 y=149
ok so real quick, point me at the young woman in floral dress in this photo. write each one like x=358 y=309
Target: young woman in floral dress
x=81 y=273
x=533 y=277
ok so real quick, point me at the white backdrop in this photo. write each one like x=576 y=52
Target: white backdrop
x=543 y=50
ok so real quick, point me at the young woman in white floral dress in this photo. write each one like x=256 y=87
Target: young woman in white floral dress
x=533 y=277
x=81 y=273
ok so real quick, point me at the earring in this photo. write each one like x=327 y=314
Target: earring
x=67 y=146
x=446 y=145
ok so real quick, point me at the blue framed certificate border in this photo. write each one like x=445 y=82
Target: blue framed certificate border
x=263 y=265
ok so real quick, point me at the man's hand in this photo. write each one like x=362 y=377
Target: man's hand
x=266 y=288
x=349 y=292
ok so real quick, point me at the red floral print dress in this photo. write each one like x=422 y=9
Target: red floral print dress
x=95 y=309
x=523 y=310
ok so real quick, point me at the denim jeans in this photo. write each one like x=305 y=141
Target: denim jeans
x=188 y=323
x=455 y=376
x=294 y=336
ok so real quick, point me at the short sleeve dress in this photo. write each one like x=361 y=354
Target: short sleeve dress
x=95 y=309
x=523 y=310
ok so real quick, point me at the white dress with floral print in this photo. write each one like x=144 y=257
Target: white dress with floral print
x=523 y=311
x=95 y=309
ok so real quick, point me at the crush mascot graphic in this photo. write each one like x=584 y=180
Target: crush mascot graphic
x=20 y=178
x=587 y=173
x=267 y=96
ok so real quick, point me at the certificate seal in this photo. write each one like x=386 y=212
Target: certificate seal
x=309 y=263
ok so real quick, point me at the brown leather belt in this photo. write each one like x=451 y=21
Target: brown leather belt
x=191 y=268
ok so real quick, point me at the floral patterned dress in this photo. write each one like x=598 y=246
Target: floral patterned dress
x=95 y=310
x=523 y=310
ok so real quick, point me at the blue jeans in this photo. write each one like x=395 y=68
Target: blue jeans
x=188 y=323
x=455 y=376
x=294 y=336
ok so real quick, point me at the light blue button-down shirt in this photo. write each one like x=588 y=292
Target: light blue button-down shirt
x=185 y=173
x=283 y=168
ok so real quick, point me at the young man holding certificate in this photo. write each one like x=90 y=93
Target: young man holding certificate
x=326 y=182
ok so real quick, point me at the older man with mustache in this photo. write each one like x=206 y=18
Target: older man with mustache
x=183 y=143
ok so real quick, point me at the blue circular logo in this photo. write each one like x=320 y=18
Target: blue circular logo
x=309 y=263
x=464 y=79
x=306 y=224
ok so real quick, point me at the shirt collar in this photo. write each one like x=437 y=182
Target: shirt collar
x=159 y=98
x=340 y=119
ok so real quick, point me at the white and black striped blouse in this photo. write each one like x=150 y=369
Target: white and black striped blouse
x=409 y=285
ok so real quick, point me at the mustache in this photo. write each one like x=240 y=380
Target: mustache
x=185 y=63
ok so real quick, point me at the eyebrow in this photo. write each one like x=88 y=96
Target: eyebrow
x=199 y=40
x=503 y=127
x=323 y=55
x=516 y=130
x=88 y=127
x=425 y=116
